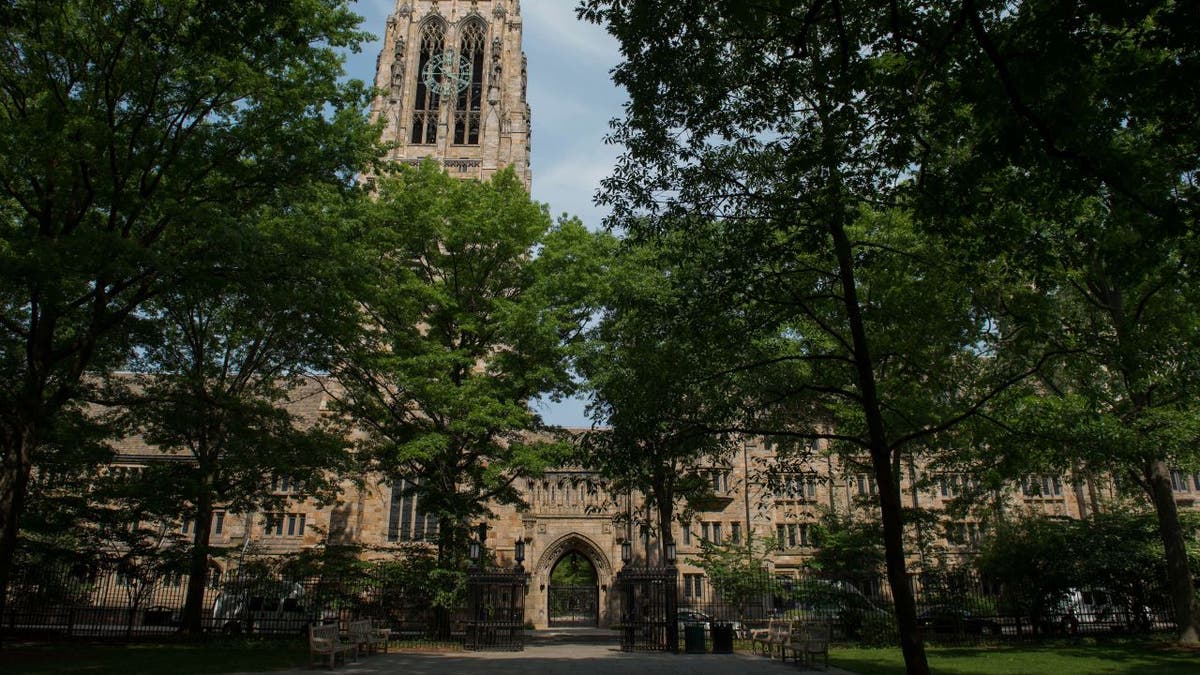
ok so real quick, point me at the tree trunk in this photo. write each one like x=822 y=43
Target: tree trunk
x=893 y=549
x=193 y=605
x=911 y=643
x=1156 y=476
x=14 y=483
x=666 y=514
x=1179 y=575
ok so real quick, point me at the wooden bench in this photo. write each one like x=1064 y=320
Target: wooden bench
x=324 y=641
x=809 y=641
x=367 y=637
x=776 y=636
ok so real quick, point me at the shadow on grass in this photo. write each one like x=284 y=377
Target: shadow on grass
x=1056 y=658
x=175 y=658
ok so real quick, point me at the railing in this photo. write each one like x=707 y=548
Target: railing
x=963 y=610
x=53 y=601
x=647 y=608
x=106 y=604
x=496 y=610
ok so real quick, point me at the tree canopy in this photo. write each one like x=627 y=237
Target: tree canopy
x=474 y=301
x=127 y=131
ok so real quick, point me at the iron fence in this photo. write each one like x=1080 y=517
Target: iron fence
x=957 y=609
x=646 y=605
x=50 y=601
x=496 y=610
x=53 y=601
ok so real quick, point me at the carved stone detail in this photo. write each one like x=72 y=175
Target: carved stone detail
x=497 y=70
x=398 y=56
x=573 y=542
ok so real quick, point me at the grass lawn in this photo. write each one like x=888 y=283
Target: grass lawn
x=175 y=659
x=223 y=656
x=1052 y=658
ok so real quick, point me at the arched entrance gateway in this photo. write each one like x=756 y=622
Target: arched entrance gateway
x=570 y=580
x=573 y=595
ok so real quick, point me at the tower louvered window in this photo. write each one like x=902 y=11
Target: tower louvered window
x=468 y=107
x=428 y=102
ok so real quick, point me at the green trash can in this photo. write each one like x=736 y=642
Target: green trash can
x=693 y=638
x=722 y=637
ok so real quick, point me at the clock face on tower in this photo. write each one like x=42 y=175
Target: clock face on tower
x=447 y=73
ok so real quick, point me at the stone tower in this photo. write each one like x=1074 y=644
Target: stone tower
x=453 y=78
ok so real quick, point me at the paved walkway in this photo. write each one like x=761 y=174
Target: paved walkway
x=565 y=659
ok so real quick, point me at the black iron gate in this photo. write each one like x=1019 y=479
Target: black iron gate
x=648 y=608
x=573 y=606
x=496 y=610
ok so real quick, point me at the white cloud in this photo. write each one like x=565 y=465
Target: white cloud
x=569 y=182
x=554 y=21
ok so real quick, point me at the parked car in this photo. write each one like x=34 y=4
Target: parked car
x=262 y=610
x=1098 y=608
x=693 y=616
x=838 y=603
x=160 y=615
x=951 y=619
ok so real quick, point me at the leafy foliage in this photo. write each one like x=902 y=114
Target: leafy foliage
x=847 y=548
x=737 y=571
x=133 y=134
x=644 y=374
x=473 y=302
x=573 y=570
x=1037 y=559
x=1063 y=144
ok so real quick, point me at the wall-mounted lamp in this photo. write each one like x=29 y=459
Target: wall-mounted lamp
x=670 y=552
x=478 y=543
x=519 y=554
x=626 y=551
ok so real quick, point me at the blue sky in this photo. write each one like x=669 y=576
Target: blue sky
x=572 y=99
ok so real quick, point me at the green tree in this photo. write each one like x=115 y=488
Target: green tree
x=1065 y=143
x=738 y=570
x=640 y=368
x=780 y=130
x=573 y=570
x=1027 y=557
x=225 y=367
x=126 y=130
x=476 y=301
x=847 y=549
x=1038 y=559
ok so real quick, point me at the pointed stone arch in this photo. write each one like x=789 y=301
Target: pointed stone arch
x=572 y=605
x=427 y=103
x=573 y=541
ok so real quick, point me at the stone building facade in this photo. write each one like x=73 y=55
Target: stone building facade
x=568 y=512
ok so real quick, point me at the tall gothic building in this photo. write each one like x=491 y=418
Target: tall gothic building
x=453 y=78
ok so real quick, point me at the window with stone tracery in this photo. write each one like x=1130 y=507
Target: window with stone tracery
x=428 y=101
x=406 y=522
x=469 y=106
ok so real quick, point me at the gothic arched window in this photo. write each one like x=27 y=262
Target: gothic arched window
x=428 y=101
x=472 y=38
